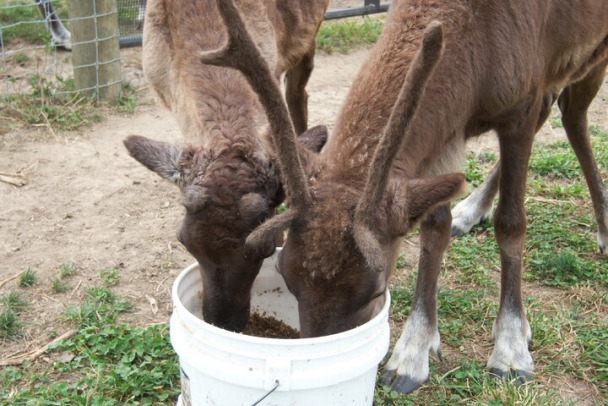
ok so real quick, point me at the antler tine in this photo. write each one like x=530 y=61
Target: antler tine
x=240 y=52
x=394 y=134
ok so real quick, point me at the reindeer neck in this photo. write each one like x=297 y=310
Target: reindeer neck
x=375 y=90
x=215 y=106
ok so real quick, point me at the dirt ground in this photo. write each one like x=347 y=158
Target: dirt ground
x=87 y=203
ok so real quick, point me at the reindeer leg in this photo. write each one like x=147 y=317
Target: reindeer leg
x=408 y=367
x=511 y=330
x=60 y=35
x=574 y=103
x=477 y=206
x=295 y=92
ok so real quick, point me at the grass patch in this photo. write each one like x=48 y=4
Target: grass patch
x=27 y=278
x=342 y=36
x=56 y=103
x=104 y=363
x=110 y=365
x=66 y=270
x=23 y=21
x=101 y=306
x=567 y=304
x=53 y=103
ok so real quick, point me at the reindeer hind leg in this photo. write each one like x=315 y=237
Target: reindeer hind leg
x=295 y=91
x=477 y=206
x=574 y=103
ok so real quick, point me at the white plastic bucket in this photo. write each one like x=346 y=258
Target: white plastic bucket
x=223 y=368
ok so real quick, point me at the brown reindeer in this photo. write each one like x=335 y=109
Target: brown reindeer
x=226 y=174
x=501 y=64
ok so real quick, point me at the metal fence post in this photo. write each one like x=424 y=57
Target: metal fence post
x=95 y=47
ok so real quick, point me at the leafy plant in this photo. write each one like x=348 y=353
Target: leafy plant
x=110 y=277
x=100 y=307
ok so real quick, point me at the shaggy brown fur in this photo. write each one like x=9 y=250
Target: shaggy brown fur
x=502 y=63
x=228 y=180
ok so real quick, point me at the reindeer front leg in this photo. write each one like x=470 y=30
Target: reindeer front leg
x=511 y=330
x=408 y=367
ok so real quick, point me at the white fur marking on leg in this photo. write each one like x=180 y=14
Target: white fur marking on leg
x=471 y=210
x=602 y=233
x=411 y=353
x=512 y=335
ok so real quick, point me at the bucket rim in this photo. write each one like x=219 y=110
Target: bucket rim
x=183 y=311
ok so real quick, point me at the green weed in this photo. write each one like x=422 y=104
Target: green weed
x=110 y=277
x=10 y=326
x=342 y=36
x=113 y=365
x=52 y=103
x=66 y=270
x=14 y=301
x=58 y=286
x=101 y=306
x=27 y=278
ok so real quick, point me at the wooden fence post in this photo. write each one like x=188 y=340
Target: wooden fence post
x=95 y=47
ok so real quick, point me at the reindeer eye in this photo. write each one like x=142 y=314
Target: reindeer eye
x=194 y=198
x=252 y=206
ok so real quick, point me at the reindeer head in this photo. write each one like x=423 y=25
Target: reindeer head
x=342 y=238
x=227 y=192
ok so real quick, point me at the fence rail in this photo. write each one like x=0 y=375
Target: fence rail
x=42 y=19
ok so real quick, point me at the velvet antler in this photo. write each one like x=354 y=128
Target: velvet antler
x=241 y=53
x=394 y=133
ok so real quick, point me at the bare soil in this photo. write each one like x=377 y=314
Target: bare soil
x=87 y=203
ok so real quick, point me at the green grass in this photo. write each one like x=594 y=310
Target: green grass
x=66 y=270
x=104 y=363
x=27 y=278
x=20 y=23
x=345 y=35
x=566 y=295
x=53 y=103
x=10 y=326
x=101 y=306
x=113 y=364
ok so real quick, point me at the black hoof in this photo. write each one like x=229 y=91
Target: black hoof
x=516 y=376
x=439 y=356
x=387 y=377
x=405 y=384
x=457 y=232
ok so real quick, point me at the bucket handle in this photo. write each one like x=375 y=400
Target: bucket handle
x=276 y=385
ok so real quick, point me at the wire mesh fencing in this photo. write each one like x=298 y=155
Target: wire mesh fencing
x=35 y=40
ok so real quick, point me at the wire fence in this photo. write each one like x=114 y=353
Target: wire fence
x=35 y=41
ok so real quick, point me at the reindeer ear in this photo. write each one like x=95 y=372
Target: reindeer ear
x=262 y=242
x=314 y=139
x=160 y=157
x=412 y=201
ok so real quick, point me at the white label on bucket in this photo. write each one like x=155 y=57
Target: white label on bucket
x=185 y=381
